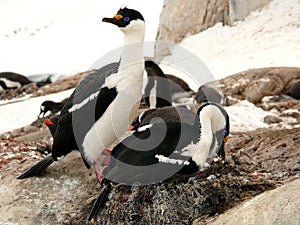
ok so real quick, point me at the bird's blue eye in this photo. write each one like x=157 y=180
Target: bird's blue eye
x=225 y=132
x=126 y=19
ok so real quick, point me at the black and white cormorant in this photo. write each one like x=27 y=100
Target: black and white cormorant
x=104 y=103
x=158 y=150
x=11 y=80
x=52 y=124
x=52 y=107
x=157 y=92
x=162 y=88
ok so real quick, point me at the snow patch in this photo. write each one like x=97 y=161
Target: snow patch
x=19 y=114
x=245 y=116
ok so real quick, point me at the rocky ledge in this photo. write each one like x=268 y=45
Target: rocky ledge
x=261 y=167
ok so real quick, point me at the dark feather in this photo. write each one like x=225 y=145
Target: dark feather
x=15 y=77
x=100 y=200
x=37 y=168
x=64 y=140
x=133 y=160
x=73 y=125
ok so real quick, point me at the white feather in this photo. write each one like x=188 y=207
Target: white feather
x=11 y=84
x=165 y=159
x=145 y=127
x=84 y=102
x=212 y=120
x=152 y=96
x=128 y=82
x=140 y=117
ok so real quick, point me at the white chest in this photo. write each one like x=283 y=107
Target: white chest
x=117 y=117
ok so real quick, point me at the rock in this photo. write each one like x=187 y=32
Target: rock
x=30 y=129
x=180 y=18
x=272 y=119
x=294 y=90
x=292 y=113
x=19 y=92
x=62 y=84
x=254 y=84
x=6 y=136
x=57 y=86
x=280 y=206
x=51 y=198
x=257 y=161
x=281 y=106
x=239 y=9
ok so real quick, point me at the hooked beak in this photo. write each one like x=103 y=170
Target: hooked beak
x=116 y=21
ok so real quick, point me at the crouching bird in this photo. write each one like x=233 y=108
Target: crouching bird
x=52 y=107
x=104 y=103
x=158 y=150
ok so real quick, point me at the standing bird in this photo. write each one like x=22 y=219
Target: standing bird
x=156 y=151
x=157 y=90
x=102 y=105
x=161 y=88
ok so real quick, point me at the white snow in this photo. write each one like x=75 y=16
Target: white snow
x=246 y=116
x=63 y=36
x=269 y=37
x=16 y=115
x=68 y=44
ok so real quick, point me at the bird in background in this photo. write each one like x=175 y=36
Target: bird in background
x=161 y=89
x=52 y=107
x=11 y=80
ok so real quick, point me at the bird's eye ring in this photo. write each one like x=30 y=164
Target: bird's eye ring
x=126 y=19
x=225 y=132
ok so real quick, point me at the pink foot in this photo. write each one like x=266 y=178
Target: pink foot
x=106 y=151
x=106 y=160
x=98 y=172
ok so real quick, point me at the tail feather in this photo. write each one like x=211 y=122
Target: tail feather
x=38 y=168
x=100 y=200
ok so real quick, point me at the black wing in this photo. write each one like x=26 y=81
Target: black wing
x=134 y=159
x=80 y=111
x=15 y=77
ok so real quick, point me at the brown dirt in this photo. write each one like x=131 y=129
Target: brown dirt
x=256 y=161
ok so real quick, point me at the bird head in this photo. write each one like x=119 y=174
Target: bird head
x=126 y=19
x=43 y=109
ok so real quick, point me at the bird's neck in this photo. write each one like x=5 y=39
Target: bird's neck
x=132 y=51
